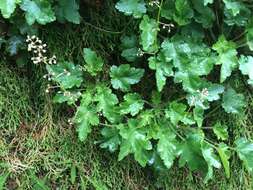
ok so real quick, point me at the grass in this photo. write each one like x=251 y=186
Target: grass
x=39 y=150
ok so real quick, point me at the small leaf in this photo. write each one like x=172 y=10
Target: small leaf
x=132 y=7
x=86 y=116
x=198 y=115
x=106 y=103
x=211 y=159
x=149 y=30
x=134 y=141
x=3 y=179
x=132 y=104
x=249 y=34
x=177 y=112
x=111 y=139
x=73 y=174
x=224 y=154
x=36 y=10
x=7 y=7
x=123 y=76
x=233 y=102
x=129 y=48
x=66 y=74
x=163 y=69
x=14 y=44
x=94 y=63
x=68 y=96
x=244 y=149
x=68 y=10
x=246 y=67
x=227 y=57
x=221 y=131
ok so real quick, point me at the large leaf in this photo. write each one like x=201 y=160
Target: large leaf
x=132 y=104
x=94 y=63
x=246 y=67
x=233 y=102
x=7 y=7
x=134 y=141
x=227 y=57
x=244 y=149
x=132 y=7
x=66 y=74
x=167 y=146
x=163 y=69
x=123 y=76
x=68 y=10
x=191 y=152
x=149 y=30
x=39 y=11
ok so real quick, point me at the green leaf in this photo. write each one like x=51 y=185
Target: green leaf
x=3 y=179
x=134 y=141
x=191 y=152
x=73 y=174
x=132 y=104
x=227 y=57
x=224 y=154
x=203 y=15
x=220 y=131
x=211 y=159
x=249 y=34
x=129 y=48
x=236 y=13
x=149 y=31
x=163 y=69
x=123 y=76
x=8 y=7
x=244 y=149
x=68 y=10
x=111 y=139
x=68 y=96
x=14 y=44
x=167 y=146
x=233 y=102
x=86 y=116
x=94 y=63
x=183 y=12
x=36 y=10
x=132 y=7
x=198 y=115
x=206 y=2
x=106 y=103
x=66 y=74
x=246 y=67
x=177 y=112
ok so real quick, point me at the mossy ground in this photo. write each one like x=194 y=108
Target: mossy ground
x=39 y=150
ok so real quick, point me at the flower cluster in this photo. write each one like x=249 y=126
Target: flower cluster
x=200 y=97
x=38 y=48
x=167 y=26
x=155 y=2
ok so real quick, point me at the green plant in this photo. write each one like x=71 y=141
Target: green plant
x=185 y=52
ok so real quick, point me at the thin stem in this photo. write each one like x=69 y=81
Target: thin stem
x=159 y=12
